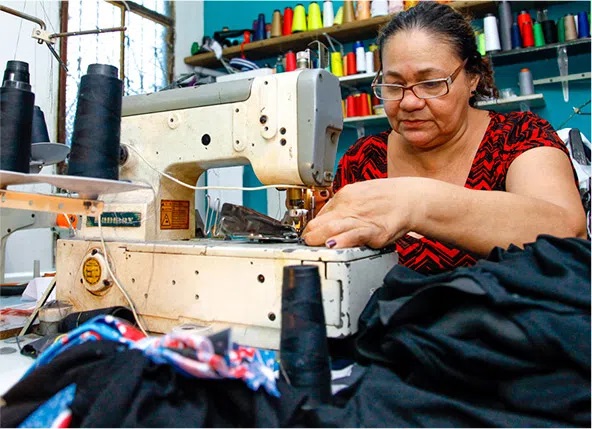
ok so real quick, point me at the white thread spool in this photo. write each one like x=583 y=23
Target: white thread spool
x=369 y=62
x=379 y=8
x=360 y=57
x=328 y=14
x=492 y=39
x=395 y=6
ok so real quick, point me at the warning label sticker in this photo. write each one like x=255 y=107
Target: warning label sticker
x=174 y=214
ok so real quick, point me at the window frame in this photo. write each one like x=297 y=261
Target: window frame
x=125 y=7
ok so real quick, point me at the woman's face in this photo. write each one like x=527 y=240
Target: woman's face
x=414 y=56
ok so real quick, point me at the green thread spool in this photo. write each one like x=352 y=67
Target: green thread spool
x=561 y=30
x=539 y=38
x=481 y=43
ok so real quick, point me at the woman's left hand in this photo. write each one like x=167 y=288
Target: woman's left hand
x=373 y=213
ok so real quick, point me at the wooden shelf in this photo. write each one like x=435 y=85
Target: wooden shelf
x=345 y=33
x=513 y=103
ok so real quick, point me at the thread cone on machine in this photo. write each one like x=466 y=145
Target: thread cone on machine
x=39 y=133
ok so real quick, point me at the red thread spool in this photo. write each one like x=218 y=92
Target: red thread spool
x=350 y=103
x=527 y=33
x=290 y=61
x=522 y=19
x=351 y=64
x=363 y=108
x=287 y=25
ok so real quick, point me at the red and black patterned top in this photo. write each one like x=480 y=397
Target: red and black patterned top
x=507 y=136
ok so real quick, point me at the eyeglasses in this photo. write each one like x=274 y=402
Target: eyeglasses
x=426 y=89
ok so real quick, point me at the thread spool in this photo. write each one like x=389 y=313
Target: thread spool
x=351 y=63
x=583 y=25
x=362 y=10
x=299 y=20
x=276 y=23
x=287 y=23
x=492 y=40
x=527 y=34
x=379 y=8
x=396 y=6
x=539 y=38
x=549 y=31
x=408 y=4
x=338 y=20
x=261 y=34
x=328 y=13
x=505 y=23
x=351 y=107
x=516 y=38
x=376 y=59
x=561 y=30
x=360 y=57
x=304 y=351
x=370 y=62
x=39 y=133
x=16 y=116
x=336 y=64
x=315 y=21
x=363 y=105
x=97 y=124
x=481 y=43
x=290 y=61
x=349 y=14
x=569 y=23
x=525 y=82
x=523 y=18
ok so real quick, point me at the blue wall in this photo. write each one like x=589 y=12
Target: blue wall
x=240 y=14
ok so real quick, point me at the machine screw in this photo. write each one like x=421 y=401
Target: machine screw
x=271 y=316
x=263 y=119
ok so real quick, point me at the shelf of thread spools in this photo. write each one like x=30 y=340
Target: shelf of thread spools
x=506 y=40
x=343 y=26
x=361 y=108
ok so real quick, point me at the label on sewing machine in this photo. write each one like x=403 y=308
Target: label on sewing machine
x=113 y=219
x=174 y=214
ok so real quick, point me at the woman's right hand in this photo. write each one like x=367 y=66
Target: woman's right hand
x=373 y=213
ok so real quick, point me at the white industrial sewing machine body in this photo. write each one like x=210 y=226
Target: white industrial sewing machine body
x=287 y=127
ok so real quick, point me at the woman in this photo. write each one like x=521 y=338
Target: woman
x=452 y=181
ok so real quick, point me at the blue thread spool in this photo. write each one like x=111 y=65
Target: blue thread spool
x=516 y=38
x=583 y=25
x=261 y=34
x=16 y=116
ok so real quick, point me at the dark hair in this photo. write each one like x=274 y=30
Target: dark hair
x=455 y=29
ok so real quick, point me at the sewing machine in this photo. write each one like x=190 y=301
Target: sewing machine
x=287 y=127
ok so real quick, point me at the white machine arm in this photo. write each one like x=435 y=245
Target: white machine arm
x=285 y=125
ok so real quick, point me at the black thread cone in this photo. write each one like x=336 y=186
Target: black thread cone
x=16 y=117
x=39 y=133
x=97 y=124
x=304 y=352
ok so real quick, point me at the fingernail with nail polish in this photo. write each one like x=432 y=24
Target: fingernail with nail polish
x=330 y=244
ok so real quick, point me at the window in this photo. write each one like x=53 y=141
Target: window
x=143 y=53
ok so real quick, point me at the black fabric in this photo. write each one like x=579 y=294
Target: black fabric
x=509 y=337
x=505 y=343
